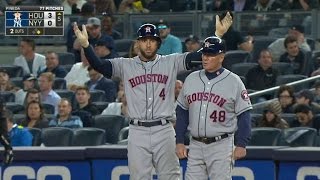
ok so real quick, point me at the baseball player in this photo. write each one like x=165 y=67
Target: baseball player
x=149 y=82
x=212 y=104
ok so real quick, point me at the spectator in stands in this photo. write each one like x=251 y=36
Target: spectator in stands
x=87 y=11
x=48 y=95
x=35 y=117
x=32 y=95
x=95 y=33
x=29 y=60
x=262 y=76
x=83 y=101
x=271 y=116
x=117 y=108
x=103 y=49
x=19 y=135
x=133 y=50
x=293 y=55
x=317 y=92
x=5 y=83
x=78 y=75
x=105 y=6
x=266 y=5
x=306 y=97
x=305 y=117
x=108 y=22
x=29 y=82
x=52 y=65
x=277 y=47
x=99 y=82
x=192 y=43
x=72 y=6
x=306 y=5
x=239 y=5
x=217 y=5
x=233 y=38
x=286 y=98
x=64 y=117
x=169 y=43
x=132 y=6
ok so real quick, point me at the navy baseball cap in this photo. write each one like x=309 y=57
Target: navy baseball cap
x=306 y=93
x=213 y=45
x=29 y=77
x=105 y=43
x=192 y=38
x=298 y=28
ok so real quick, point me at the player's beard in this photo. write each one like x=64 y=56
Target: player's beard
x=148 y=56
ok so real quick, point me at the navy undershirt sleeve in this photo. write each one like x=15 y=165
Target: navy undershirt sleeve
x=181 y=124
x=243 y=134
x=102 y=66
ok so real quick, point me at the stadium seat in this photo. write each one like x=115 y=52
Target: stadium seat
x=123 y=142
x=255 y=118
x=234 y=57
x=15 y=108
x=88 y=137
x=65 y=93
x=112 y=124
x=311 y=42
x=241 y=69
x=123 y=46
x=7 y=96
x=278 y=32
x=123 y=134
x=12 y=70
x=285 y=79
x=283 y=68
x=260 y=43
x=243 y=79
x=57 y=136
x=17 y=81
x=101 y=105
x=48 y=108
x=264 y=136
x=66 y=58
x=36 y=133
x=97 y=96
x=298 y=136
x=183 y=75
x=59 y=83
x=18 y=118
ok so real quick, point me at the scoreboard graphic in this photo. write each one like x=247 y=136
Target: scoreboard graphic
x=34 y=21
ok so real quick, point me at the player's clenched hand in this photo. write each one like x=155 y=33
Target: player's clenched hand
x=223 y=25
x=239 y=152
x=181 y=151
x=82 y=36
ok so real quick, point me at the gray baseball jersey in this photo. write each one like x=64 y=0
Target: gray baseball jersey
x=213 y=104
x=149 y=86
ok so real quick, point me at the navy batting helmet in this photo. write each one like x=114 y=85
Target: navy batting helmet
x=148 y=30
x=213 y=45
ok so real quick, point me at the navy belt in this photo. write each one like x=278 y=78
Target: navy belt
x=148 y=124
x=209 y=140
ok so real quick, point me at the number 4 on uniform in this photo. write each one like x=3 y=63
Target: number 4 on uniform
x=162 y=94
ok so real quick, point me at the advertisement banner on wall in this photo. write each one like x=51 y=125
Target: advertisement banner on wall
x=299 y=170
x=47 y=171
x=244 y=170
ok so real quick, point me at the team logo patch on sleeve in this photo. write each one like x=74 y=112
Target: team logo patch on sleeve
x=245 y=95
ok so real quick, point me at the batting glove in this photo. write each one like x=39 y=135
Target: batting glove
x=82 y=36
x=223 y=25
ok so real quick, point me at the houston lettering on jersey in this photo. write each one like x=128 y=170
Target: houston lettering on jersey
x=159 y=78
x=206 y=96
